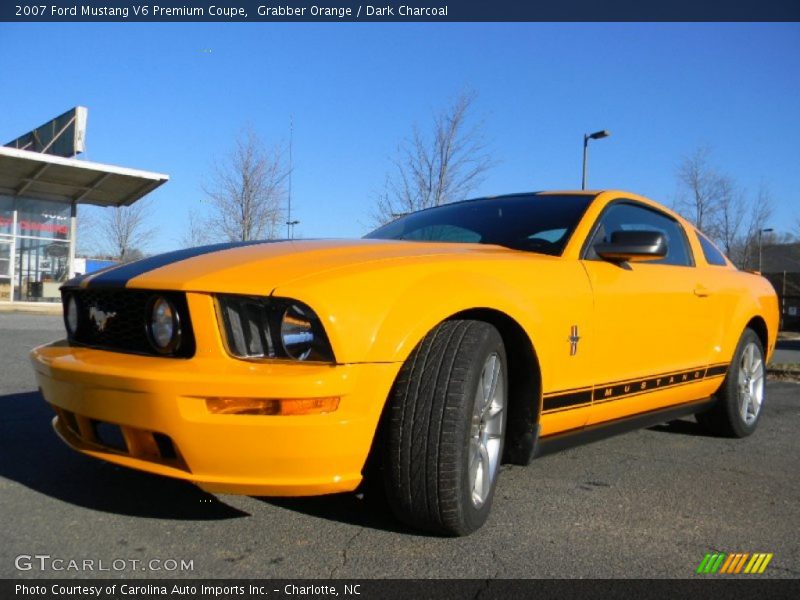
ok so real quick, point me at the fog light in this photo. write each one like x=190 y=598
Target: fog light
x=71 y=316
x=272 y=406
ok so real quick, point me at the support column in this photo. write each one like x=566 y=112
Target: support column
x=13 y=266
x=73 y=237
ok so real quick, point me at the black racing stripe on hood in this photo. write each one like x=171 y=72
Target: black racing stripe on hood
x=120 y=275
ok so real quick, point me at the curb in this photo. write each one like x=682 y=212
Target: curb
x=31 y=309
x=785 y=372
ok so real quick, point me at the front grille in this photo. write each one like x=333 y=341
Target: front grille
x=116 y=319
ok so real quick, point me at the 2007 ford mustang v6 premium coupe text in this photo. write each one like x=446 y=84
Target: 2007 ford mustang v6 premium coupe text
x=443 y=344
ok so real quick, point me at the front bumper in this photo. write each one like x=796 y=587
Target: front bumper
x=160 y=407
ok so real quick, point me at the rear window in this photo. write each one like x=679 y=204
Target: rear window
x=711 y=252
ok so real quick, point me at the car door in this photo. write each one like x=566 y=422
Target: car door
x=650 y=348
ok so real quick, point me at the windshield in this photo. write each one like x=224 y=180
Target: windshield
x=535 y=222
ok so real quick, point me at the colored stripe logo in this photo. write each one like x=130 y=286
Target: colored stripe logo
x=582 y=397
x=734 y=564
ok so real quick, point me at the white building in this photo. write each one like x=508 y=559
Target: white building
x=39 y=195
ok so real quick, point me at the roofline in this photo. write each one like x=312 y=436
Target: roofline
x=542 y=193
x=515 y=194
x=591 y=193
x=81 y=164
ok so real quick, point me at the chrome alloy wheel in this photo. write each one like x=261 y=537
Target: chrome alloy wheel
x=751 y=383
x=486 y=431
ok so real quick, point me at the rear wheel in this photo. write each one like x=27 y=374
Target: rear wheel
x=445 y=429
x=741 y=396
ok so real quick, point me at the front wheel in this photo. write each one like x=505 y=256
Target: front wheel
x=741 y=396
x=445 y=428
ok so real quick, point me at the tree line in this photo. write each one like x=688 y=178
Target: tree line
x=719 y=207
x=445 y=161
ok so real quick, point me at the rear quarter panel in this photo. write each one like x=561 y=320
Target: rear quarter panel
x=740 y=296
x=737 y=297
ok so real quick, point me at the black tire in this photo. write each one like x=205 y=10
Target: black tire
x=430 y=433
x=725 y=417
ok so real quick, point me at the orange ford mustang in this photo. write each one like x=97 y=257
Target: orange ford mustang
x=439 y=346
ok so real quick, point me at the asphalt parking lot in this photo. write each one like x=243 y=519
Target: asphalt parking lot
x=645 y=504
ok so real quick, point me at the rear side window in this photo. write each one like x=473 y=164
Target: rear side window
x=711 y=252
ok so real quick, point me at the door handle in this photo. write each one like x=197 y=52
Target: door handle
x=701 y=291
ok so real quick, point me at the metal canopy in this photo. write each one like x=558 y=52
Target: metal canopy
x=49 y=177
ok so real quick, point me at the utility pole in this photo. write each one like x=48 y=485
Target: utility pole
x=783 y=301
x=760 y=232
x=289 y=223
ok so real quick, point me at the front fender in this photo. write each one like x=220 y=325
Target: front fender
x=380 y=315
x=435 y=298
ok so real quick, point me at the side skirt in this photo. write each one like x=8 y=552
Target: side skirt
x=601 y=431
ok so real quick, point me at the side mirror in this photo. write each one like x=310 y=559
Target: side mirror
x=633 y=246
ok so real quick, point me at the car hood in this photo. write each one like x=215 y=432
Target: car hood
x=260 y=267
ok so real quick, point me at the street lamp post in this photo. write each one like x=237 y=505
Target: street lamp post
x=597 y=135
x=760 y=232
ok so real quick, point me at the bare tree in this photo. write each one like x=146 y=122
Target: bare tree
x=730 y=215
x=196 y=232
x=745 y=254
x=125 y=231
x=248 y=189
x=436 y=168
x=719 y=208
x=88 y=219
x=702 y=190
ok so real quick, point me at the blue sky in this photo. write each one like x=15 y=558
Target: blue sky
x=171 y=97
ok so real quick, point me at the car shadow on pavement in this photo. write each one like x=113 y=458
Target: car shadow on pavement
x=369 y=509
x=32 y=454
x=682 y=427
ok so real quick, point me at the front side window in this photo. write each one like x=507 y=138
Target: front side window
x=540 y=223
x=626 y=216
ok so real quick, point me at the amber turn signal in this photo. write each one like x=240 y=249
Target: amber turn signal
x=271 y=406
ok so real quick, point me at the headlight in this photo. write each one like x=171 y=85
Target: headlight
x=268 y=327
x=71 y=316
x=297 y=333
x=164 y=326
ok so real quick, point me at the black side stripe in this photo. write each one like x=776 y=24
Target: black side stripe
x=655 y=376
x=120 y=275
x=607 y=392
x=569 y=399
x=716 y=370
